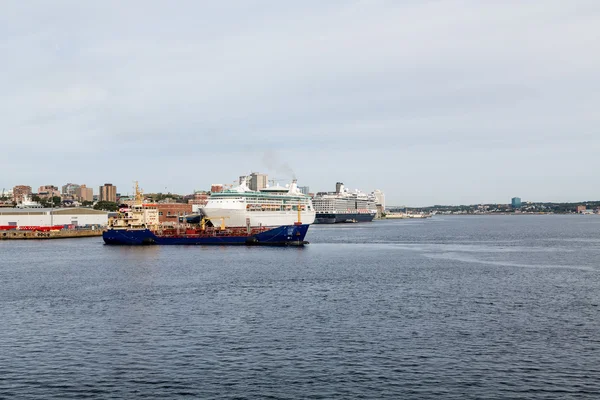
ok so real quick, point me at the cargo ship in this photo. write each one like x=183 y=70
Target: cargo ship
x=139 y=225
x=344 y=206
x=271 y=206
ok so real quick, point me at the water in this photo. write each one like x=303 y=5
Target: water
x=451 y=307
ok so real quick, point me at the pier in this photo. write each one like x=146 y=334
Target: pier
x=405 y=216
x=36 y=235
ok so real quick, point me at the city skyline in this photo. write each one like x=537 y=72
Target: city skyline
x=512 y=201
x=455 y=102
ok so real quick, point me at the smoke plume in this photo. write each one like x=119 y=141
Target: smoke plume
x=274 y=163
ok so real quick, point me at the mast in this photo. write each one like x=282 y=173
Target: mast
x=299 y=222
x=139 y=202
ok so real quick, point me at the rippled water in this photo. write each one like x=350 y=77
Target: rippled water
x=451 y=307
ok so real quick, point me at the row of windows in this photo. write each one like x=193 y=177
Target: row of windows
x=277 y=209
x=265 y=202
x=259 y=200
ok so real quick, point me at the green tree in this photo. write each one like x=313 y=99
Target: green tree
x=87 y=203
x=56 y=200
x=106 y=206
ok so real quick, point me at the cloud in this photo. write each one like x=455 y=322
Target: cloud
x=373 y=93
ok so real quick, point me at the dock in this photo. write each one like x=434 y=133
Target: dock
x=36 y=235
x=405 y=216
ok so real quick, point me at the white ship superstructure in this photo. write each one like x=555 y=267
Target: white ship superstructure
x=344 y=206
x=271 y=206
x=136 y=216
x=26 y=202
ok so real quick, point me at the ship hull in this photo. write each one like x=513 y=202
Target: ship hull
x=288 y=235
x=240 y=217
x=336 y=218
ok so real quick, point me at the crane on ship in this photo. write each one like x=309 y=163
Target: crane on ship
x=205 y=219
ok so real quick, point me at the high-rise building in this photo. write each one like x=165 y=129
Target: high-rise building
x=69 y=189
x=84 y=193
x=108 y=192
x=515 y=202
x=257 y=181
x=19 y=191
x=304 y=190
x=48 y=191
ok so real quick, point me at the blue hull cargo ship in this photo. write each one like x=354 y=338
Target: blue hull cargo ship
x=288 y=235
x=139 y=225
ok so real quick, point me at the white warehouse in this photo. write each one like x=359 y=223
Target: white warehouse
x=52 y=216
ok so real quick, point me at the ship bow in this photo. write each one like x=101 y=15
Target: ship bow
x=286 y=235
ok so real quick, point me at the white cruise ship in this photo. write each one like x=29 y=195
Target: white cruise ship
x=344 y=206
x=272 y=206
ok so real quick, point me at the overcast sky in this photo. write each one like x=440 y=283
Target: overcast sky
x=433 y=102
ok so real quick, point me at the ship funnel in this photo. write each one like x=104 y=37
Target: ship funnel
x=243 y=187
x=293 y=187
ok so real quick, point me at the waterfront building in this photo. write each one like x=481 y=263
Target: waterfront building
x=516 y=202
x=108 y=192
x=84 y=193
x=48 y=191
x=169 y=212
x=51 y=217
x=581 y=209
x=20 y=191
x=304 y=190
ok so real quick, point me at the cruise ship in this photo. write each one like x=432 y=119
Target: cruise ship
x=271 y=206
x=344 y=206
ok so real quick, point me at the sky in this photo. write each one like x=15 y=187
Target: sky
x=432 y=102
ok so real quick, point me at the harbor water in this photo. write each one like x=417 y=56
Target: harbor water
x=451 y=307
